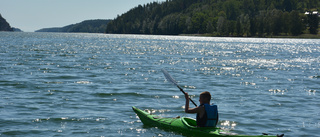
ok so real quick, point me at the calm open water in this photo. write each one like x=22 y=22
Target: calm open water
x=55 y=84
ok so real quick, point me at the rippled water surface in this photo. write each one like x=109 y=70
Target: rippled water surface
x=55 y=84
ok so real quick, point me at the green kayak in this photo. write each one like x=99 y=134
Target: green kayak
x=186 y=126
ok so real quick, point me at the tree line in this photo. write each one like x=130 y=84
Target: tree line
x=219 y=18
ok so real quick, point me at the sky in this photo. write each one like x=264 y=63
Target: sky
x=32 y=15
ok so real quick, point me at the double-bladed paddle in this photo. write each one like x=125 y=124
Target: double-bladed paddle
x=169 y=78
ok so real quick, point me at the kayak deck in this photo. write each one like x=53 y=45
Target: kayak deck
x=186 y=126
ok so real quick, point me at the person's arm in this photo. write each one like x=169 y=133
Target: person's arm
x=187 y=109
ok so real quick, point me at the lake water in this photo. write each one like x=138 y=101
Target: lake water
x=57 y=84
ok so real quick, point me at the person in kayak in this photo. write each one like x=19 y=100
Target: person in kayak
x=207 y=115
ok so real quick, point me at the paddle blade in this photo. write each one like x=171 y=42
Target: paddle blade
x=168 y=77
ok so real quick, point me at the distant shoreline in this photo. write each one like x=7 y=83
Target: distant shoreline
x=302 y=36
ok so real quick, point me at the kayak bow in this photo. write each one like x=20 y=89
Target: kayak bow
x=186 y=126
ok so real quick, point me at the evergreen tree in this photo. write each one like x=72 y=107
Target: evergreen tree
x=313 y=22
x=295 y=26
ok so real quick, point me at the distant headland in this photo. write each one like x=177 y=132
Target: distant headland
x=4 y=25
x=87 y=26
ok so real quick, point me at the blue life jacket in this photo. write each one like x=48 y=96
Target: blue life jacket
x=212 y=115
x=210 y=118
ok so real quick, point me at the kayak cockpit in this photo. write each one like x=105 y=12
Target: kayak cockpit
x=190 y=122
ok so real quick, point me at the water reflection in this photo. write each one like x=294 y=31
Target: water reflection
x=228 y=125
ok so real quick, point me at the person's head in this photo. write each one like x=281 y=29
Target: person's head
x=205 y=97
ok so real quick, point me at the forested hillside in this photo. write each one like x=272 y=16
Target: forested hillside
x=88 y=26
x=219 y=18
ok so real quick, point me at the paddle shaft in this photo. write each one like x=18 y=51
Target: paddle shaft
x=189 y=97
x=169 y=78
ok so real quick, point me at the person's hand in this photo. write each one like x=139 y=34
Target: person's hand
x=186 y=95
